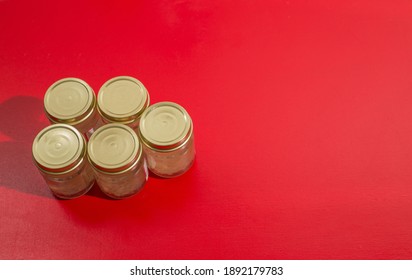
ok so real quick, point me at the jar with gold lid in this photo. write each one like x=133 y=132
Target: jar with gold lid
x=122 y=100
x=166 y=131
x=72 y=101
x=115 y=154
x=59 y=152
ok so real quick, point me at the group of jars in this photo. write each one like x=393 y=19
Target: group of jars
x=114 y=139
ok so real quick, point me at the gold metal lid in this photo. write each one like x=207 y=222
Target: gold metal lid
x=70 y=101
x=58 y=148
x=122 y=99
x=113 y=148
x=165 y=126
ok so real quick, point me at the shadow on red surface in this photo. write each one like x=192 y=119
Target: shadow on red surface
x=22 y=118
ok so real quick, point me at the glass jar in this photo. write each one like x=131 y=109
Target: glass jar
x=59 y=152
x=72 y=101
x=166 y=131
x=122 y=100
x=116 y=156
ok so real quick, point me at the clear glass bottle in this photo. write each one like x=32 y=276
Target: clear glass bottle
x=59 y=152
x=166 y=131
x=115 y=153
x=72 y=101
x=122 y=100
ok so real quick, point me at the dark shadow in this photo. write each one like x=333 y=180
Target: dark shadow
x=96 y=192
x=152 y=175
x=22 y=117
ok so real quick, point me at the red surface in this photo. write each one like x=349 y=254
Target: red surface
x=303 y=126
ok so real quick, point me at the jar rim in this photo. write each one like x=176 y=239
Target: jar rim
x=113 y=148
x=122 y=99
x=69 y=101
x=165 y=126
x=58 y=148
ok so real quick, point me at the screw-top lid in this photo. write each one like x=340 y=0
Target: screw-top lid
x=165 y=126
x=122 y=99
x=114 y=148
x=58 y=148
x=69 y=101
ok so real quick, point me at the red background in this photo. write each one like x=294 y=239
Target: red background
x=303 y=127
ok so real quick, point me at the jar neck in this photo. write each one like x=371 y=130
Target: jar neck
x=123 y=169
x=168 y=148
x=64 y=170
x=77 y=119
